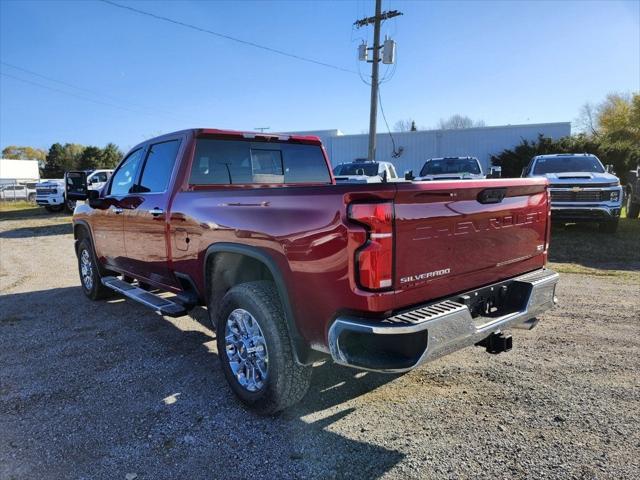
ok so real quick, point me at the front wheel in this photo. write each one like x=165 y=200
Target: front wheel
x=70 y=205
x=90 y=277
x=255 y=349
x=54 y=208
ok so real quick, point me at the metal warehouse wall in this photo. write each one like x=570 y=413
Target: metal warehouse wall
x=418 y=146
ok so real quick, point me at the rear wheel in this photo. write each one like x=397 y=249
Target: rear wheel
x=609 y=227
x=255 y=350
x=90 y=277
x=32 y=197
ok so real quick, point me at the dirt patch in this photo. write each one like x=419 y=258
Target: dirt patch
x=107 y=389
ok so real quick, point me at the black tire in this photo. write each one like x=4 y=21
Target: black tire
x=286 y=381
x=633 y=209
x=54 y=208
x=93 y=288
x=70 y=205
x=609 y=227
x=32 y=197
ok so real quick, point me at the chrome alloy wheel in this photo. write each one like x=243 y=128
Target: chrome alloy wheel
x=86 y=269
x=246 y=350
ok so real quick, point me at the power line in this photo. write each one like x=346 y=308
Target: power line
x=396 y=153
x=82 y=97
x=228 y=37
x=93 y=92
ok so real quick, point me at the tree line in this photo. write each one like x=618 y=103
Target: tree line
x=70 y=156
x=454 y=122
x=610 y=130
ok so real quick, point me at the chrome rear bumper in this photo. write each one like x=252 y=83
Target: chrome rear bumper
x=404 y=341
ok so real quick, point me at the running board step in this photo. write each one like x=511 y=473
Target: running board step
x=148 y=299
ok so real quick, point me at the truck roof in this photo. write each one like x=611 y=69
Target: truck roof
x=283 y=137
x=565 y=155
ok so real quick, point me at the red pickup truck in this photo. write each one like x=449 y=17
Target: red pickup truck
x=294 y=268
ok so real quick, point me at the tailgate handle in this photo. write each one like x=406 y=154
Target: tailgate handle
x=492 y=195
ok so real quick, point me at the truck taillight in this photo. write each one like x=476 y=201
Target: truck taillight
x=374 y=259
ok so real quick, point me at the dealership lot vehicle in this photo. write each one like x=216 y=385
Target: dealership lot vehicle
x=18 y=192
x=50 y=195
x=452 y=168
x=365 y=171
x=581 y=189
x=294 y=268
x=92 y=391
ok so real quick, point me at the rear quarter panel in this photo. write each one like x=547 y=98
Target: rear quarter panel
x=302 y=229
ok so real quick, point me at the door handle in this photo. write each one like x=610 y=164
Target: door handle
x=117 y=210
x=156 y=211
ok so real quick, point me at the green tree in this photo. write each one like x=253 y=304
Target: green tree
x=24 y=153
x=111 y=156
x=72 y=154
x=54 y=162
x=90 y=158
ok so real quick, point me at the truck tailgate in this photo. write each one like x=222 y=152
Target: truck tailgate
x=452 y=233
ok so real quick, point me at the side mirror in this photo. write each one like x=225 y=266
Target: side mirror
x=609 y=169
x=75 y=186
x=408 y=175
x=94 y=200
x=495 y=172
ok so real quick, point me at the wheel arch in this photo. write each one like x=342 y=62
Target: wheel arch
x=253 y=259
x=81 y=230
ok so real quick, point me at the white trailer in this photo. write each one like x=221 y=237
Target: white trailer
x=14 y=171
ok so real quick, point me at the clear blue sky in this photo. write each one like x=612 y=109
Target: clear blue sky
x=502 y=62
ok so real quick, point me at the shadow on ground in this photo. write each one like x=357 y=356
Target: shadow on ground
x=100 y=389
x=30 y=213
x=38 y=231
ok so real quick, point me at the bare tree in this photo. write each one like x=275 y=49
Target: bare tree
x=407 y=125
x=587 y=120
x=457 y=121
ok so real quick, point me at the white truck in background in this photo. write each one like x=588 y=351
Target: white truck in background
x=50 y=194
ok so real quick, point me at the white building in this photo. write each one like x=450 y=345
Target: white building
x=416 y=147
x=16 y=171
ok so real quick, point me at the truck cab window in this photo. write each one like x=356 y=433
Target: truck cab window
x=158 y=167
x=123 y=177
x=224 y=162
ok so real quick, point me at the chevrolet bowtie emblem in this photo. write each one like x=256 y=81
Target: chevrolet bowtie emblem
x=576 y=189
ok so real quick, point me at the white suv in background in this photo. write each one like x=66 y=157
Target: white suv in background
x=17 y=192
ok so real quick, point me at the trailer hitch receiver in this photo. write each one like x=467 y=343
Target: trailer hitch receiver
x=497 y=342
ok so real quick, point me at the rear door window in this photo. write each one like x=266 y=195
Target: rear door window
x=158 y=167
x=226 y=162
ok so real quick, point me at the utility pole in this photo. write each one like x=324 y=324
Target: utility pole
x=262 y=129
x=375 y=67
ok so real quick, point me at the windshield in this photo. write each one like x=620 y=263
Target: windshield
x=450 y=165
x=567 y=164
x=368 y=169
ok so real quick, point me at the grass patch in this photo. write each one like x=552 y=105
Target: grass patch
x=581 y=248
x=629 y=276
x=18 y=205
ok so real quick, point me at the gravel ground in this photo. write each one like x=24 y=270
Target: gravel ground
x=112 y=390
